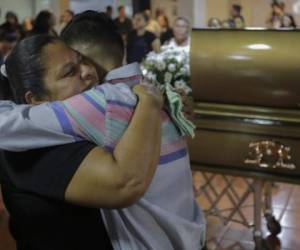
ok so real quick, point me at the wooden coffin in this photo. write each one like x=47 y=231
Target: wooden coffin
x=246 y=86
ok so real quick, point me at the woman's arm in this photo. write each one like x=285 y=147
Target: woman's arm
x=120 y=179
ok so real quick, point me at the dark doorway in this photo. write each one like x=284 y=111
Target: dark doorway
x=141 y=5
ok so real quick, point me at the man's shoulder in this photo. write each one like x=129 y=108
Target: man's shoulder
x=119 y=92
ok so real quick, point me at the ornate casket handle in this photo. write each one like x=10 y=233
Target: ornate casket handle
x=270 y=154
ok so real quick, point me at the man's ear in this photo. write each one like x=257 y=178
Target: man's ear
x=31 y=99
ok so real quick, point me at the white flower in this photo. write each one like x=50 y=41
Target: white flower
x=151 y=56
x=184 y=70
x=144 y=71
x=179 y=84
x=178 y=74
x=168 y=77
x=182 y=85
x=187 y=89
x=151 y=76
x=151 y=62
x=179 y=58
x=161 y=66
x=172 y=67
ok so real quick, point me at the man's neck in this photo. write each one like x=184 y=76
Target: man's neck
x=129 y=73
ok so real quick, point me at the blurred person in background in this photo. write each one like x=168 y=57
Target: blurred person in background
x=44 y=24
x=66 y=17
x=214 y=23
x=27 y=26
x=123 y=23
x=140 y=41
x=109 y=12
x=159 y=11
x=7 y=43
x=166 y=32
x=11 y=25
x=152 y=25
x=291 y=19
x=181 y=32
x=279 y=18
x=236 y=21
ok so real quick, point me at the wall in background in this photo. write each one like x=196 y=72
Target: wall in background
x=199 y=13
x=23 y=8
x=43 y=5
x=29 y=8
x=79 y=5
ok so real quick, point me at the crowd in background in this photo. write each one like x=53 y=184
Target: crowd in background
x=277 y=19
x=141 y=34
x=146 y=32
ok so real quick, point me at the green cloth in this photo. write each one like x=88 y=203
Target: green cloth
x=175 y=107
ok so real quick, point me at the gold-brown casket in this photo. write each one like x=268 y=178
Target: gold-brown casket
x=246 y=87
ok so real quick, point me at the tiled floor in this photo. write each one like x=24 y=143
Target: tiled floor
x=233 y=236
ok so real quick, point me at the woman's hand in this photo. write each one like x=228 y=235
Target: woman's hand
x=119 y=179
x=149 y=94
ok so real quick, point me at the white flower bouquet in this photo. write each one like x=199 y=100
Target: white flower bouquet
x=170 y=67
x=170 y=71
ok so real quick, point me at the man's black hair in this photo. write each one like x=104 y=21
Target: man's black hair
x=95 y=29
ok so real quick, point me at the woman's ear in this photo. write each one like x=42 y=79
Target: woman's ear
x=31 y=99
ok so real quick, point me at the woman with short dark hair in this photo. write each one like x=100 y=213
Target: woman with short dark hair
x=11 y=25
x=53 y=194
